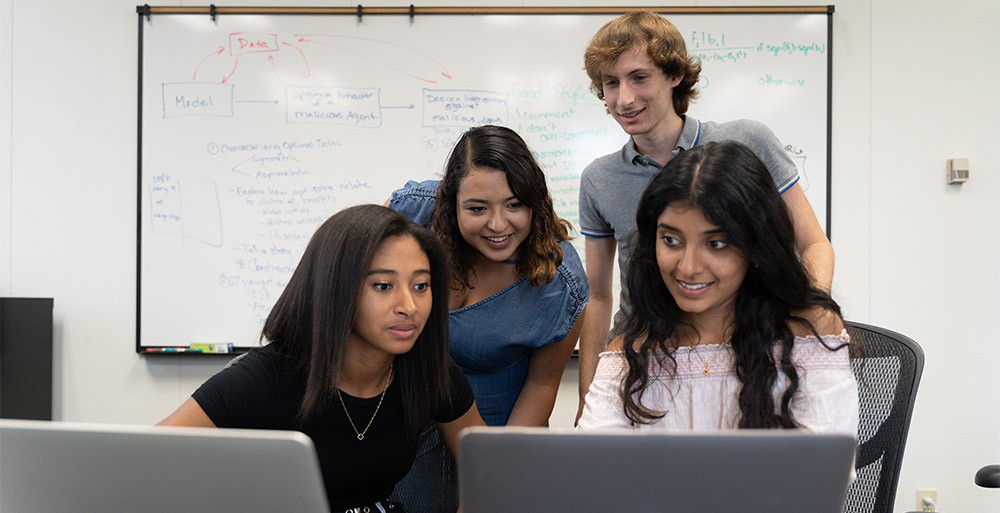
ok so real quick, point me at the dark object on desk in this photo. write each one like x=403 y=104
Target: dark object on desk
x=989 y=476
x=26 y=358
x=887 y=366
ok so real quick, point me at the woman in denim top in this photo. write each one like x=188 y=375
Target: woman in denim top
x=518 y=288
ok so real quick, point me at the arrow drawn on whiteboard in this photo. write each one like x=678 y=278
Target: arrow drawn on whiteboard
x=209 y=56
x=270 y=59
x=236 y=62
x=307 y=73
x=236 y=168
x=410 y=106
x=366 y=47
x=273 y=102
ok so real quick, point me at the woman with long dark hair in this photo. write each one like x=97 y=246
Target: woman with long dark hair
x=727 y=330
x=357 y=358
x=518 y=288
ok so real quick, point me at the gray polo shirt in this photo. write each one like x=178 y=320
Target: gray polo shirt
x=610 y=187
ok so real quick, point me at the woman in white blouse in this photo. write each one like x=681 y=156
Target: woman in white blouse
x=726 y=330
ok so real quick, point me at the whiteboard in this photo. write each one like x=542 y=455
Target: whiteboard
x=253 y=129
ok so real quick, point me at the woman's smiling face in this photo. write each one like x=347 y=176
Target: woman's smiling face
x=490 y=218
x=698 y=266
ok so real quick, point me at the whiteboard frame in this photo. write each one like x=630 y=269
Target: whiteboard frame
x=145 y=12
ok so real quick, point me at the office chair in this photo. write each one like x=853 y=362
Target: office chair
x=887 y=366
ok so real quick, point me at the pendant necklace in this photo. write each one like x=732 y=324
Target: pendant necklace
x=361 y=434
x=709 y=363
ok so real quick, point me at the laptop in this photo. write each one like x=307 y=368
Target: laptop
x=531 y=470
x=55 y=467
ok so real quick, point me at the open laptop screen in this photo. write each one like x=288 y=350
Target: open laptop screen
x=541 y=470
x=56 y=467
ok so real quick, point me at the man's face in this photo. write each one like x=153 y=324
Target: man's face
x=638 y=94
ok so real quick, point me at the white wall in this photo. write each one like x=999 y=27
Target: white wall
x=6 y=25
x=915 y=82
x=935 y=248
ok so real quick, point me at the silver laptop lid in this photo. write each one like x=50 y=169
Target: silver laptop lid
x=540 y=470
x=56 y=467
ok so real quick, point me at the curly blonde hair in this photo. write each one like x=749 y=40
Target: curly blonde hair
x=664 y=45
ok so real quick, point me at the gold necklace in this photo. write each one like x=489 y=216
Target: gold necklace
x=361 y=434
x=710 y=362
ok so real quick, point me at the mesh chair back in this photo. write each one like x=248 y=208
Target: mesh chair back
x=887 y=366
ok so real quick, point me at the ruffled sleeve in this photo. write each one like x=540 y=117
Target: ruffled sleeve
x=827 y=398
x=577 y=293
x=602 y=407
x=416 y=201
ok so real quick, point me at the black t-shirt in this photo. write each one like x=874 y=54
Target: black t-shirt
x=260 y=392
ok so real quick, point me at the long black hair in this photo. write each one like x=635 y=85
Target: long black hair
x=498 y=148
x=734 y=191
x=312 y=319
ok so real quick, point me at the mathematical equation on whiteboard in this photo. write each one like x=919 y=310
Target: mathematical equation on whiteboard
x=264 y=123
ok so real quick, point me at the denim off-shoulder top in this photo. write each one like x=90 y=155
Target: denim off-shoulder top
x=492 y=340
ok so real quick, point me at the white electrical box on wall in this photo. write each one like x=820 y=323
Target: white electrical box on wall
x=958 y=170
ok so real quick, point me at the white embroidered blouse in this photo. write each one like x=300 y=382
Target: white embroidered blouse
x=825 y=402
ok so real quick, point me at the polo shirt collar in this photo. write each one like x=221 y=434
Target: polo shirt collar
x=630 y=153
x=690 y=136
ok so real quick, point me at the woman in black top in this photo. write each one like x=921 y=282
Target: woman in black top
x=357 y=357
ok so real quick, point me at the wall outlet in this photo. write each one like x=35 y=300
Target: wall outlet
x=922 y=503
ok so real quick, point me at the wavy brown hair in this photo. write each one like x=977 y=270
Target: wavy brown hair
x=498 y=148
x=664 y=45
